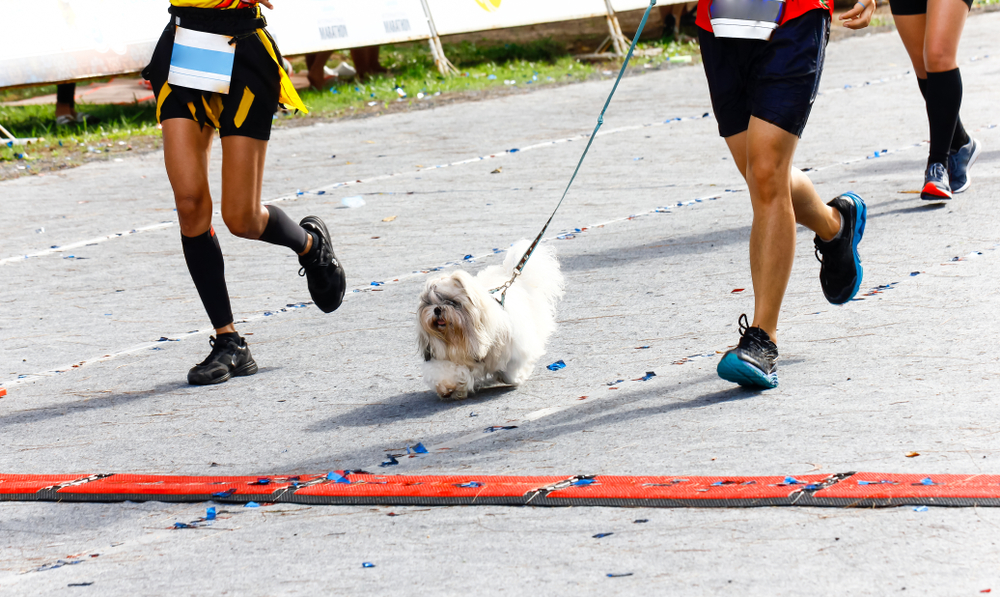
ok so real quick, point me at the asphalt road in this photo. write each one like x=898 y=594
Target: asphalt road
x=912 y=367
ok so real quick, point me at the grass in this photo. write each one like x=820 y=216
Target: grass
x=412 y=78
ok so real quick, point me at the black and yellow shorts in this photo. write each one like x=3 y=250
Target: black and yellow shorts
x=248 y=109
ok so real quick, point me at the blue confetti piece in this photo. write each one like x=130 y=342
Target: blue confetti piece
x=378 y=283
x=419 y=449
x=618 y=575
x=251 y=505
x=321 y=192
x=927 y=481
x=367 y=565
x=493 y=428
x=921 y=509
x=792 y=481
x=515 y=150
x=556 y=366
x=210 y=513
x=473 y=414
x=182 y=525
x=648 y=376
x=640 y=521
x=864 y=482
x=914 y=274
x=470 y=485
x=614 y=383
x=224 y=494
x=391 y=462
x=260 y=481
x=467 y=257
x=583 y=482
x=491 y=77
x=337 y=477
x=602 y=535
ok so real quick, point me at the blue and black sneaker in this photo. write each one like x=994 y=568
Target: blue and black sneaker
x=754 y=362
x=937 y=185
x=841 y=272
x=959 y=163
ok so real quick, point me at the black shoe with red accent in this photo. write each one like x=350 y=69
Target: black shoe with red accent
x=937 y=186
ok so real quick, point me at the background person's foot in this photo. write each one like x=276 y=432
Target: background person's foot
x=840 y=273
x=327 y=282
x=76 y=118
x=937 y=186
x=230 y=357
x=754 y=362
x=959 y=164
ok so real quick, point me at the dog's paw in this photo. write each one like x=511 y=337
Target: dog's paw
x=451 y=390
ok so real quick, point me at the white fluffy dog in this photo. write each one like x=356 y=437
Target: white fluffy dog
x=466 y=337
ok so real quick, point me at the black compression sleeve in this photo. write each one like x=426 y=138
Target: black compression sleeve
x=204 y=260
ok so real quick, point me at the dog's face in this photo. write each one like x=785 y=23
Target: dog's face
x=453 y=311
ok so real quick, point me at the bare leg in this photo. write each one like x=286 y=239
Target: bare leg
x=242 y=179
x=780 y=195
x=911 y=30
x=316 y=63
x=945 y=22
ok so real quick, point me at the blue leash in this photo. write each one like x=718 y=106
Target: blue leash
x=600 y=121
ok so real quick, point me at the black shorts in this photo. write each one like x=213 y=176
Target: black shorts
x=914 y=7
x=248 y=109
x=775 y=80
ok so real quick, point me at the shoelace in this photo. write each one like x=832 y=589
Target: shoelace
x=744 y=324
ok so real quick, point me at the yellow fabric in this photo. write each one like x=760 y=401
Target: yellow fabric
x=217 y=106
x=220 y=4
x=164 y=92
x=289 y=97
x=244 y=109
x=194 y=112
x=208 y=112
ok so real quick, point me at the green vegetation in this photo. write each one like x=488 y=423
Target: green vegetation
x=412 y=78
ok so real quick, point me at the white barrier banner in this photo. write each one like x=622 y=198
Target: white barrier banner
x=303 y=26
x=464 y=16
x=623 y=5
x=47 y=41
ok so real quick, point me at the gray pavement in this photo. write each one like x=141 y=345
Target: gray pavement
x=911 y=368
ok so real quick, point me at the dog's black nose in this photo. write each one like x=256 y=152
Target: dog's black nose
x=437 y=311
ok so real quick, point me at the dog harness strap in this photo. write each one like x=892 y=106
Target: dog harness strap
x=600 y=120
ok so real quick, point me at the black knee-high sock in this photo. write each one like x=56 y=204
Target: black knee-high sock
x=282 y=230
x=204 y=260
x=943 y=95
x=961 y=137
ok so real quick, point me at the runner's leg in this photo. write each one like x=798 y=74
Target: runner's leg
x=187 y=147
x=781 y=196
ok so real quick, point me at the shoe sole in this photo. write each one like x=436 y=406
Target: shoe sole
x=319 y=223
x=972 y=160
x=247 y=369
x=860 y=222
x=932 y=193
x=732 y=368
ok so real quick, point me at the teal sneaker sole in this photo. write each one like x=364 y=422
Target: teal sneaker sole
x=860 y=221
x=731 y=368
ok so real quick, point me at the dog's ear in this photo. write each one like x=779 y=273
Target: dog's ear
x=424 y=345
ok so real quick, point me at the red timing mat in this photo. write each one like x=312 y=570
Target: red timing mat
x=362 y=488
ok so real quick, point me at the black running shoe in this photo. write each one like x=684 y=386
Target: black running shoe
x=841 y=272
x=754 y=362
x=959 y=163
x=229 y=358
x=327 y=282
x=937 y=186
